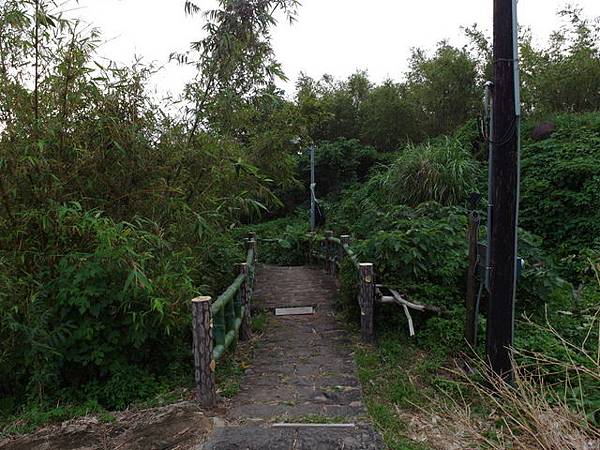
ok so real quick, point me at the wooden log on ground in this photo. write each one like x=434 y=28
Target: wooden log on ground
x=471 y=299
x=367 y=302
x=246 y=326
x=204 y=363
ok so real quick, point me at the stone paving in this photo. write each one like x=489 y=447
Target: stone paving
x=303 y=372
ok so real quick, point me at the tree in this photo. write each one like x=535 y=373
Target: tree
x=443 y=88
x=564 y=75
x=236 y=55
x=387 y=119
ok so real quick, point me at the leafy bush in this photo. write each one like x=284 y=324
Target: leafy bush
x=420 y=249
x=282 y=241
x=561 y=182
x=572 y=49
x=113 y=214
x=338 y=164
x=105 y=295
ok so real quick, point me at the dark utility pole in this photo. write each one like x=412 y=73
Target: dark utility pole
x=505 y=193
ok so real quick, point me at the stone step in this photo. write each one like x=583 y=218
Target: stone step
x=263 y=437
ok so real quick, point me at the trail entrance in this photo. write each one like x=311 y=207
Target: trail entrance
x=302 y=391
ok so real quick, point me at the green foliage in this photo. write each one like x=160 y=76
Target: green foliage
x=561 y=349
x=234 y=59
x=387 y=120
x=572 y=49
x=422 y=247
x=113 y=215
x=560 y=184
x=441 y=170
x=338 y=164
x=282 y=241
x=331 y=109
x=36 y=416
x=445 y=88
x=115 y=297
x=390 y=376
x=440 y=94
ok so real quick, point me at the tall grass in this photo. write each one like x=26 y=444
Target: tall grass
x=532 y=413
x=441 y=170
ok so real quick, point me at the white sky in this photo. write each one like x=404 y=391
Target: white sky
x=331 y=36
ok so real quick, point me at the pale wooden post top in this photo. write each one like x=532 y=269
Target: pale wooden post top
x=202 y=299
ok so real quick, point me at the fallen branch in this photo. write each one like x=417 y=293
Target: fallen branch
x=398 y=299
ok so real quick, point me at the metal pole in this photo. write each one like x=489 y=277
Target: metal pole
x=312 y=188
x=505 y=195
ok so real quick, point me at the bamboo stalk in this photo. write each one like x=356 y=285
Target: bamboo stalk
x=246 y=327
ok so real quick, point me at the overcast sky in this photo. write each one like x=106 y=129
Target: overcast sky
x=336 y=37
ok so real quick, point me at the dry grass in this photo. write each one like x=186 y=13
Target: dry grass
x=529 y=413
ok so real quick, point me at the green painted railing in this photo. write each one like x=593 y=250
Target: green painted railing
x=332 y=250
x=228 y=310
x=350 y=254
x=218 y=325
x=227 y=317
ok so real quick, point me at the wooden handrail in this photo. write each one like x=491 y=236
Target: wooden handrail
x=218 y=325
x=226 y=297
x=332 y=258
x=369 y=292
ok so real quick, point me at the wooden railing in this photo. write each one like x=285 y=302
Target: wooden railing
x=218 y=325
x=331 y=251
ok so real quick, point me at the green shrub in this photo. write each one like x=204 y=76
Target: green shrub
x=338 y=164
x=281 y=241
x=420 y=248
x=560 y=198
x=115 y=299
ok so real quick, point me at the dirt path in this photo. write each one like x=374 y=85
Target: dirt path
x=302 y=391
x=179 y=426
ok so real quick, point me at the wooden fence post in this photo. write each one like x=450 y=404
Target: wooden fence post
x=311 y=249
x=344 y=240
x=204 y=364
x=252 y=236
x=328 y=252
x=367 y=302
x=246 y=326
x=251 y=244
x=471 y=300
